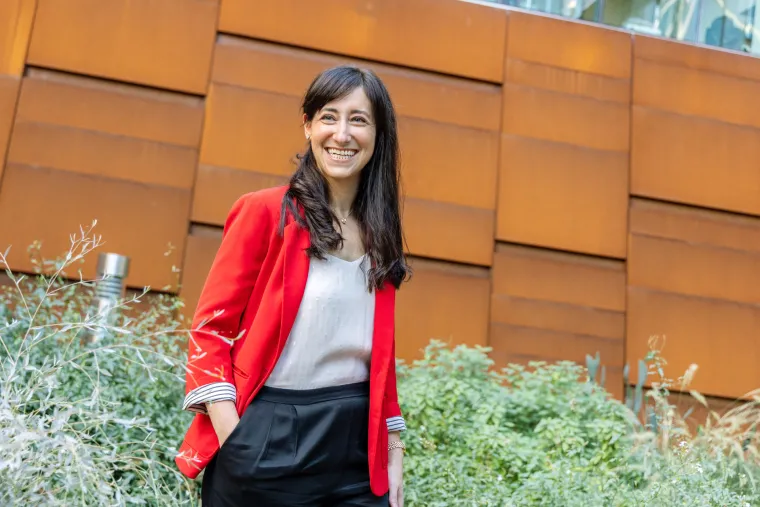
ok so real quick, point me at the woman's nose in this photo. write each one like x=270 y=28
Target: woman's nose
x=342 y=133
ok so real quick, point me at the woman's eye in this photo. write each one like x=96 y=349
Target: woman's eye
x=328 y=117
x=359 y=119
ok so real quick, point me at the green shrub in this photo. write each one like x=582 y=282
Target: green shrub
x=543 y=436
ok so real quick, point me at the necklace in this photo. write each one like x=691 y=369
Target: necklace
x=341 y=219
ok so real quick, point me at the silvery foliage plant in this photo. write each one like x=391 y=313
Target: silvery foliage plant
x=82 y=422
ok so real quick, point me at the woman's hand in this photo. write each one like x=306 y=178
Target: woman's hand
x=224 y=418
x=395 y=473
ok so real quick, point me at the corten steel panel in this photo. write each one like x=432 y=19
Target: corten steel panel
x=563 y=196
x=565 y=118
x=167 y=43
x=127 y=153
x=545 y=77
x=16 y=17
x=557 y=317
x=114 y=108
x=443 y=99
x=710 y=59
x=201 y=248
x=115 y=133
x=695 y=161
x=445 y=302
x=694 y=225
x=691 y=276
x=556 y=277
x=251 y=130
x=563 y=175
x=102 y=155
x=707 y=270
x=449 y=164
x=450 y=36
x=221 y=186
x=281 y=69
x=518 y=345
x=555 y=306
x=444 y=159
x=696 y=92
x=448 y=232
x=720 y=337
x=573 y=45
x=9 y=86
x=141 y=221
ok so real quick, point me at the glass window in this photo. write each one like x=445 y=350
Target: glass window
x=727 y=23
x=566 y=8
x=731 y=24
x=637 y=13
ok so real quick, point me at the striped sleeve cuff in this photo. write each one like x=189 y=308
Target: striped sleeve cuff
x=217 y=391
x=396 y=423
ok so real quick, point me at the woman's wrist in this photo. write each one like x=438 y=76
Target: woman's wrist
x=224 y=418
x=395 y=444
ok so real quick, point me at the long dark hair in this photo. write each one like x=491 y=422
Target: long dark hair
x=376 y=206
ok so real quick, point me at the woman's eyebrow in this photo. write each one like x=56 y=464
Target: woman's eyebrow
x=353 y=111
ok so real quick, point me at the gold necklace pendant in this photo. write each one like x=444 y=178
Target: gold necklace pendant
x=341 y=219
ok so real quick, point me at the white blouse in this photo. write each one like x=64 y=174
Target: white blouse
x=330 y=342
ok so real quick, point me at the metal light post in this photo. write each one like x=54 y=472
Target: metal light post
x=112 y=269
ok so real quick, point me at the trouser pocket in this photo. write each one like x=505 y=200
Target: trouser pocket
x=241 y=453
x=278 y=455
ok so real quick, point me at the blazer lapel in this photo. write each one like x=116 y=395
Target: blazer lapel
x=382 y=337
x=382 y=350
x=295 y=273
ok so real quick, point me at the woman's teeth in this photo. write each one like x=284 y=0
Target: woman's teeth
x=341 y=154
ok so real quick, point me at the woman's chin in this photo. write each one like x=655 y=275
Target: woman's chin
x=341 y=173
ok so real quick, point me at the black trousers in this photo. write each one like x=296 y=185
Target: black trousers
x=296 y=448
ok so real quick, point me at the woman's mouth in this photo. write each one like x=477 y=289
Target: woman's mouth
x=341 y=155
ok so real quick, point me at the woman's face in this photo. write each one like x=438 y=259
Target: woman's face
x=342 y=136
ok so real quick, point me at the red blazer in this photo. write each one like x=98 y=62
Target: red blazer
x=253 y=292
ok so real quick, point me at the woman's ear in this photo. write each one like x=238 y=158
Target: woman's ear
x=306 y=127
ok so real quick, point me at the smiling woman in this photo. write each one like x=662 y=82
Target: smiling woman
x=294 y=382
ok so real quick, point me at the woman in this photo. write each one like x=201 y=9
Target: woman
x=296 y=321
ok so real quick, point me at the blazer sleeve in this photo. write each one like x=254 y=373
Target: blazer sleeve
x=230 y=282
x=393 y=417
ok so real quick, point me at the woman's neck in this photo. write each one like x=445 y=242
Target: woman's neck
x=342 y=195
